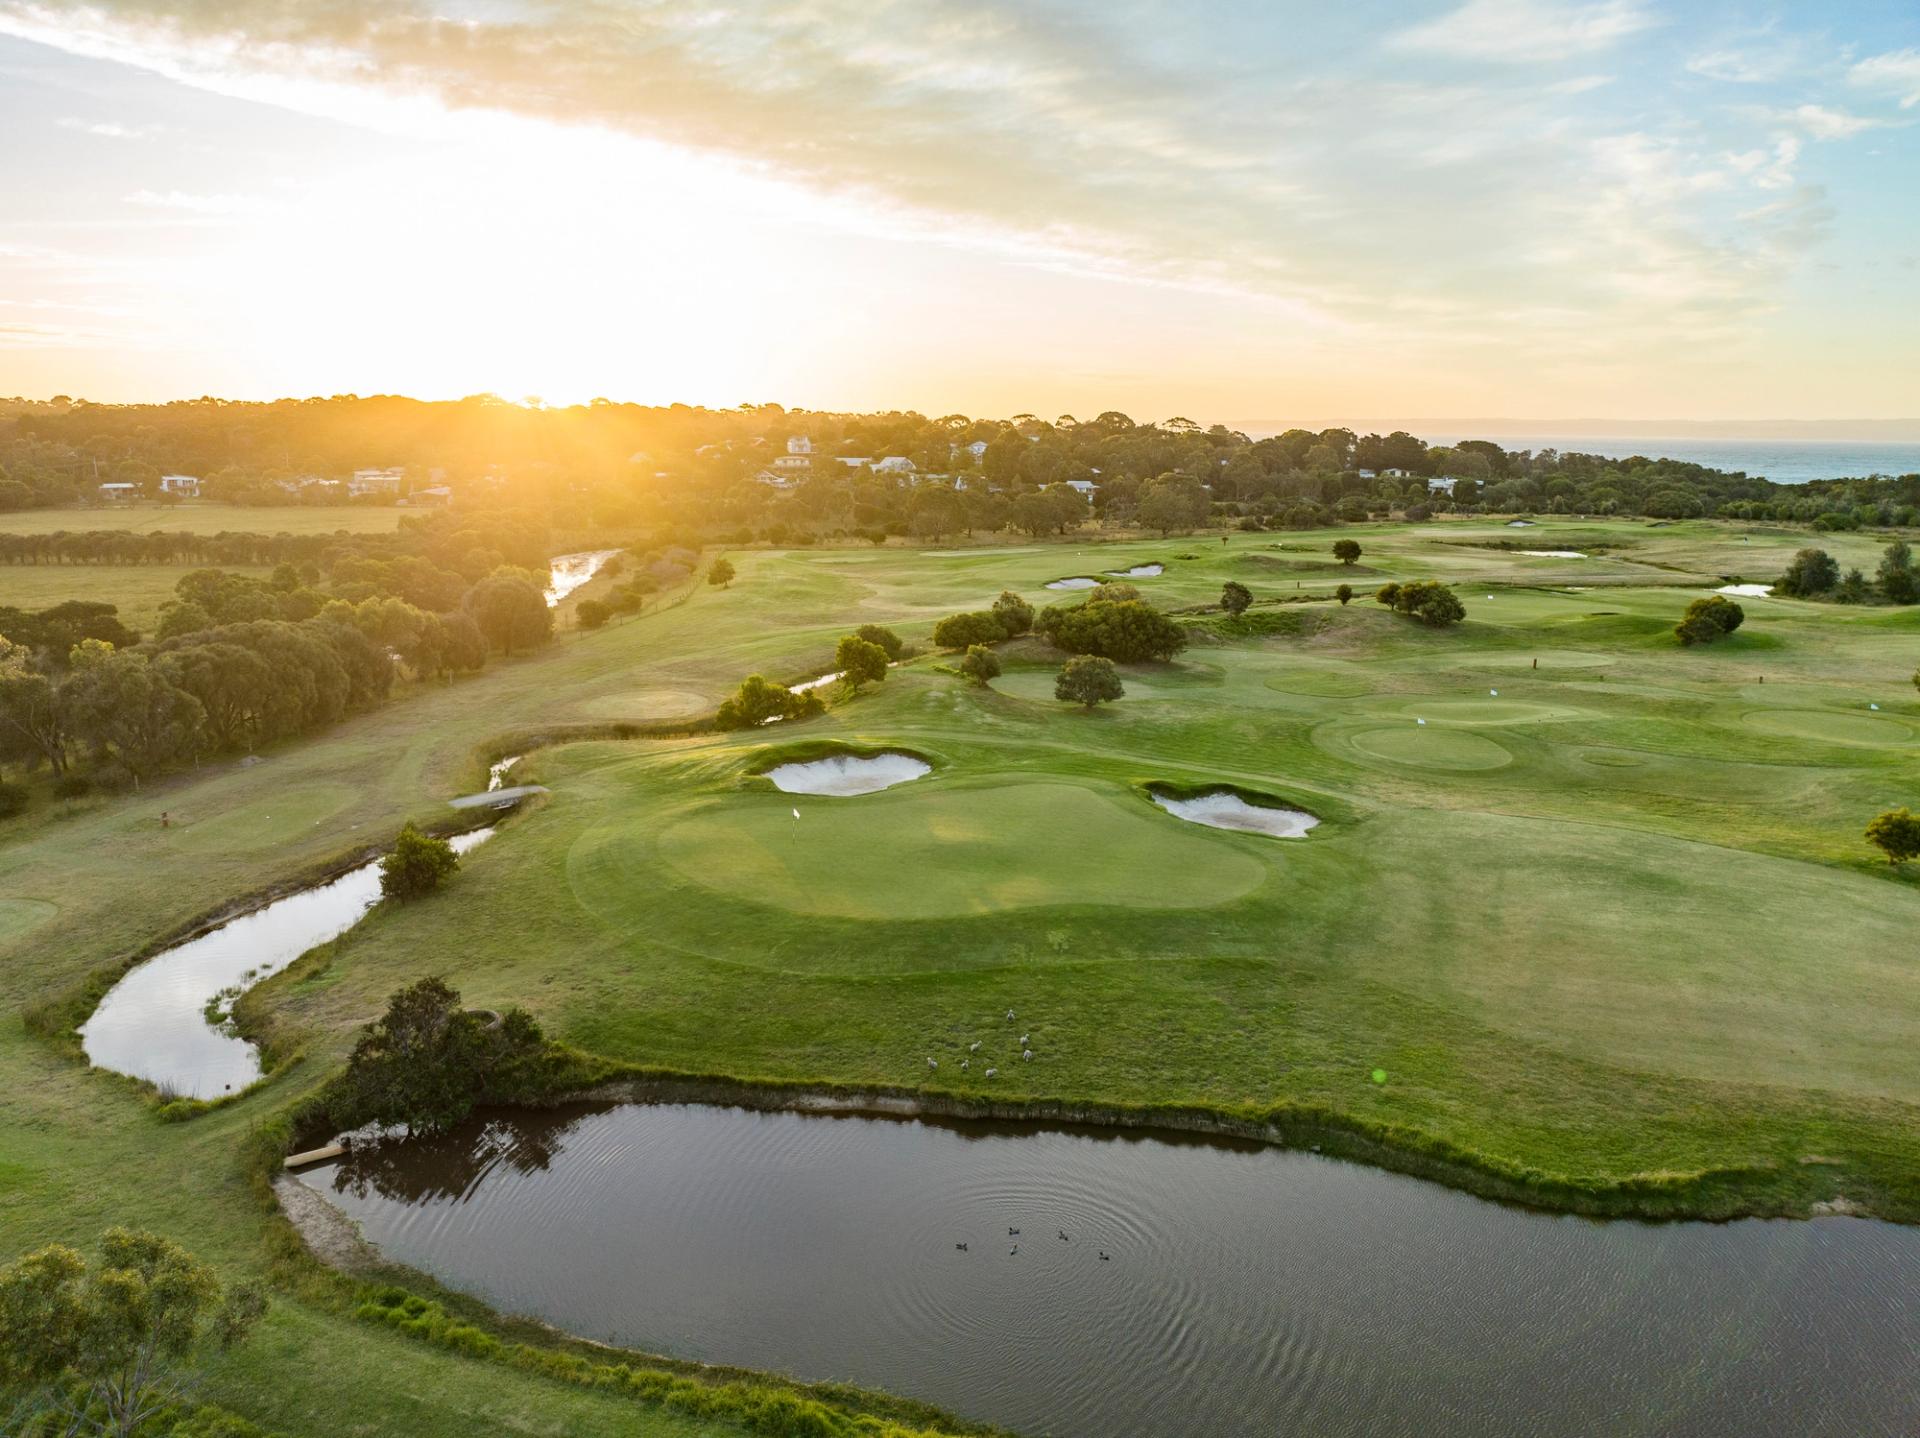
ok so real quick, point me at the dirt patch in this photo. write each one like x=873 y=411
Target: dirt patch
x=329 y=1234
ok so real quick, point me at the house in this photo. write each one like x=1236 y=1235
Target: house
x=434 y=495
x=854 y=461
x=119 y=491
x=895 y=464
x=1083 y=487
x=376 y=481
x=186 y=486
x=1438 y=485
x=1396 y=473
x=772 y=479
x=300 y=484
x=793 y=463
x=799 y=444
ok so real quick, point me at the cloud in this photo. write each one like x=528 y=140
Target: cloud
x=194 y=204
x=1074 y=144
x=1769 y=169
x=105 y=129
x=1825 y=124
x=1526 y=31
x=1897 y=72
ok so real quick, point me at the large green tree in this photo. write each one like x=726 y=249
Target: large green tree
x=859 y=662
x=427 y=1061
x=124 y=708
x=1087 y=680
x=511 y=611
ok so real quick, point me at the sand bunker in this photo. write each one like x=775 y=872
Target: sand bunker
x=1224 y=809
x=845 y=775
x=1554 y=553
x=1078 y=581
x=1746 y=591
x=1139 y=571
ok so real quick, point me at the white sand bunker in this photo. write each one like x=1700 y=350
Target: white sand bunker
x=1224 y=809
x=1139 y=571
x=1554 y=553
x=1746 y=591
x=844 y=775
x=1079 y=581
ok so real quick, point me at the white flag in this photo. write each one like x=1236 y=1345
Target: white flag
x=796 y=813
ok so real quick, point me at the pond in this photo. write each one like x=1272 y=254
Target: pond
x=1224 y=809
x=567 y=572
x=845 y=775
x=1245 y=1290
x=153 y=1023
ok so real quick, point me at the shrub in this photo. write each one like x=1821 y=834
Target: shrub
x=1088 y=679
x=963 y=631
x=981 y=664
x=418 y=864
x=1235 y=597
x=13 y=799
x=1013 y=612
x=759 y=699
x=592 y=613
x=1812 y=571
x=1344 y=594
x=1709 y=619
x=72 y=786
x=1425 y=600
x=1128 y=632
x=879 y=634
x=721 y=573
x=1897 y=834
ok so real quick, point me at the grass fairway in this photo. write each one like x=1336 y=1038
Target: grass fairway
x=1615 y=925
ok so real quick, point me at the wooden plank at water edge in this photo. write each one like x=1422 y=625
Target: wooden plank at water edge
x=315 y=1155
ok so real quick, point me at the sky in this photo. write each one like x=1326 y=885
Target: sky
x=1221 y=209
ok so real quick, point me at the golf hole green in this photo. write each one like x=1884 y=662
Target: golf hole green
x=1482 y=711
x=1824 y=726
x=1321 y=683
x=1431 y=747
x=910 y=853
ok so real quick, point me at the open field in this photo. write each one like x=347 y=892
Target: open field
x=137 y=589
x=1614 y=920
x=198 y=516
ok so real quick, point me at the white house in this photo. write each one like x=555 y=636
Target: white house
x=793 y=463
x=118 y=491
x=186 y=486
x=1083 y=487
x=376 y=481
x=895 y=464
x=854 y=461
x=1396 y=473
x=1437 y=485
x=434 y=495
x=773 y=479
x=799 y=444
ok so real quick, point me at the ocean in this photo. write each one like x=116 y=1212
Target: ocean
x=1784 y=461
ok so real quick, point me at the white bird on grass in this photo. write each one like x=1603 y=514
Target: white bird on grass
x=974 y=1047
x=1023 y=1040
x=1028 y=1055
x=932 y=1062
x=1009 y=1015
x=992 y=1072
x=963 y=1063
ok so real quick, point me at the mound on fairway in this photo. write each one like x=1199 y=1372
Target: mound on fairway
x=947 y=852
x=1432 y=747
x=1870 y=730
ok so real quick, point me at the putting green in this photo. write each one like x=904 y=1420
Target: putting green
x=1321 y=683
x=1430 y=747
x=1484 y=711
x=647 y=704
x=19 y=915
x=259 y=825
x=935 y=853
x=1868 y=730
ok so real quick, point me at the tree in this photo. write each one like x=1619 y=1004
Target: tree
x=126 y=709
x=721 y=573
x=417 y=865
x=1344 y=594
x=759 y=699
x=859 y=662
x=1174 y=501
x=592 y=613
x=1347 y=551
x=511 y=612
x=884 y=637
x=980 y=664
x=1896 y=576
x=963 y=631
x=105 y=1349
x=1235 y=597
x=1852 y=589
x=1014 y=613
x=1811 y=572
x=32 y=721
x=1425 y=600
x=427 y=1061
x=1897 y=834
x=1088 y=679
x=1709 y=619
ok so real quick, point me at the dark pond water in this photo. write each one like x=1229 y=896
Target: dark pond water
x=1248 y=1290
